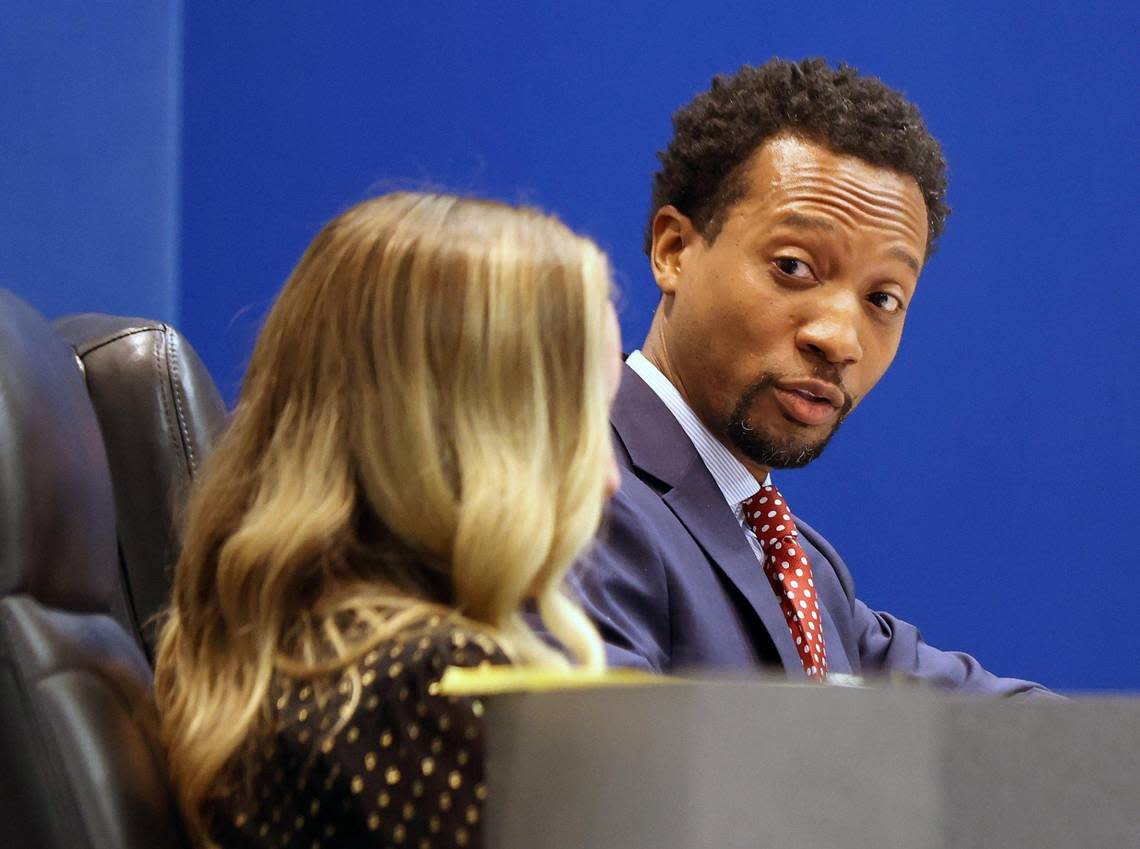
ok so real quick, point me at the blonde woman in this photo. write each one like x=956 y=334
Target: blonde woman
x=420 y=448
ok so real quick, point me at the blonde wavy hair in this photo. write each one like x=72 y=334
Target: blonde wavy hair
x=422 y=430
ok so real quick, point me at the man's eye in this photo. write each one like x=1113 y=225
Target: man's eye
x=887 y=302
x=793 y=267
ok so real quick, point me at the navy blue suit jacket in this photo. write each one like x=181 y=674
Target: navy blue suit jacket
x=673 y=584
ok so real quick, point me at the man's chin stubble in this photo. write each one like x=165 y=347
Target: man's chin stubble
x=766 y=451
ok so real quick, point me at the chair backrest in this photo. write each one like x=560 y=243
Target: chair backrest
x=82 y=765
x=160 y=413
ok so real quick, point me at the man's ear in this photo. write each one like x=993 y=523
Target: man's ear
x=673 y=237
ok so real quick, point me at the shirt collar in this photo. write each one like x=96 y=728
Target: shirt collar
x=732 y=478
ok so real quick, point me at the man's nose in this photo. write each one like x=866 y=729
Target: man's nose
x=832 y=331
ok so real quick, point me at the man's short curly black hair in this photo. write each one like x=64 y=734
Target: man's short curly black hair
x=717 y=132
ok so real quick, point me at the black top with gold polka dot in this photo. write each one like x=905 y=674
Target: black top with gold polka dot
x=405 y=768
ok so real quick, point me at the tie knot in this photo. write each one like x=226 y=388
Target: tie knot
x=769 y=516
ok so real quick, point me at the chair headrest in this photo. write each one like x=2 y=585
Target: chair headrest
x=57 y=519
x=160 y=413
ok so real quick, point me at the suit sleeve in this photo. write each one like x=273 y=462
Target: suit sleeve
x=623 y=587
x=888 y=646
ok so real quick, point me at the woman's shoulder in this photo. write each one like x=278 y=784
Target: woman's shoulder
x=436 y=644
x=374 y=749
x=417 y=657
x=400 y=672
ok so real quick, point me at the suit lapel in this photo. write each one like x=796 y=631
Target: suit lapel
x=658 y=446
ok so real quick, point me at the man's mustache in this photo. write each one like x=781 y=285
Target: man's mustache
x=825 y=373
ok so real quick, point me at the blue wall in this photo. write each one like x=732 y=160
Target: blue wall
x=1016 y=382
x=90 y=105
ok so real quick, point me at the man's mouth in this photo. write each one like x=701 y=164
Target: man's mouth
x=810 y=402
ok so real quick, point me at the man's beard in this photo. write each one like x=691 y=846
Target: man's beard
x=767 y=449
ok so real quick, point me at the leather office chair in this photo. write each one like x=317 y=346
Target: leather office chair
x=160 y=413
x=82 y=767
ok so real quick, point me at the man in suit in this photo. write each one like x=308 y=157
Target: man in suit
x=791 y=217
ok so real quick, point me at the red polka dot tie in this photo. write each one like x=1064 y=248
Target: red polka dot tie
x=789 y=572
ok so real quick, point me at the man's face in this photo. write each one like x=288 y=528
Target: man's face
x=780 y=326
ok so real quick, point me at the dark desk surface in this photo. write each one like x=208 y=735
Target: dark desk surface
x=751 y=764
